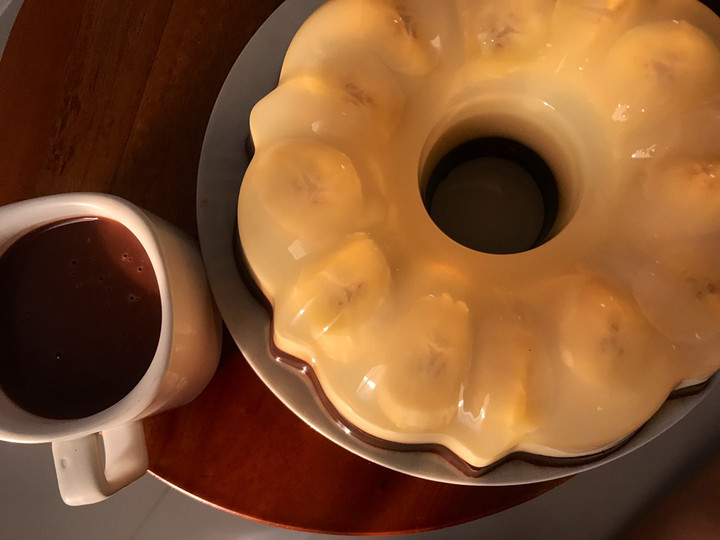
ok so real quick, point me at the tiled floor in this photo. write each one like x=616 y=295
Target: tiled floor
x=599 y=503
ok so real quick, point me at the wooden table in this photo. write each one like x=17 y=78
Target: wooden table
x=114 y=96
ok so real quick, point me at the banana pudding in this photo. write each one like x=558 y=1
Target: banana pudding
x=561 y=350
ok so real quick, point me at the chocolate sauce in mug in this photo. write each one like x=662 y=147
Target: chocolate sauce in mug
x=79 y=317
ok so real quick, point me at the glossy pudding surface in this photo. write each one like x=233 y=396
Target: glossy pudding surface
x=564 y=349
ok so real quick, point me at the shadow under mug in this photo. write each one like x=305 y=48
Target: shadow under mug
x=97 y=455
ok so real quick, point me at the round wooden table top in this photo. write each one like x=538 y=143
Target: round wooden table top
x=115 y=97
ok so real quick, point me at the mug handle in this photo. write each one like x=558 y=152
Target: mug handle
x=91 y=468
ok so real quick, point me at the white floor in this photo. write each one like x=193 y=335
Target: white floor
x=599 y=503
x=595 y=505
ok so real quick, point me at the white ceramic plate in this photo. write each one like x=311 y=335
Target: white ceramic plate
x=8 y=12
x=222 y=165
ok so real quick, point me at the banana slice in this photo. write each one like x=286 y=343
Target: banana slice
x=309 y=188
x=365 y=86
x=660 y=65
x=685 y=197
x=402 y=33
x=513 y=31
x=508 y=387
x=427 y=362
x=359 y=108
x=581 y=29
x=337 y=294
x=680 y=294
x=604 y=340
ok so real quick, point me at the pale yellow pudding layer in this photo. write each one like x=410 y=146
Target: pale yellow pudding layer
x=565 y=349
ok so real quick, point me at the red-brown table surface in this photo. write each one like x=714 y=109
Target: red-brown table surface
x=115 y=96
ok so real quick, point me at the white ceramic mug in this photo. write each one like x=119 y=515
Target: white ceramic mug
x=97 y=455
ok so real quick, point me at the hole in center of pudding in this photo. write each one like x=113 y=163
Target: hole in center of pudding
x=493 y=195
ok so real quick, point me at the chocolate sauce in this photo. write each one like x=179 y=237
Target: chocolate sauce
x=80 y=317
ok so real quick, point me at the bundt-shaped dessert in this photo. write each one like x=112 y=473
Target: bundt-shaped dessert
x=562 y=348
